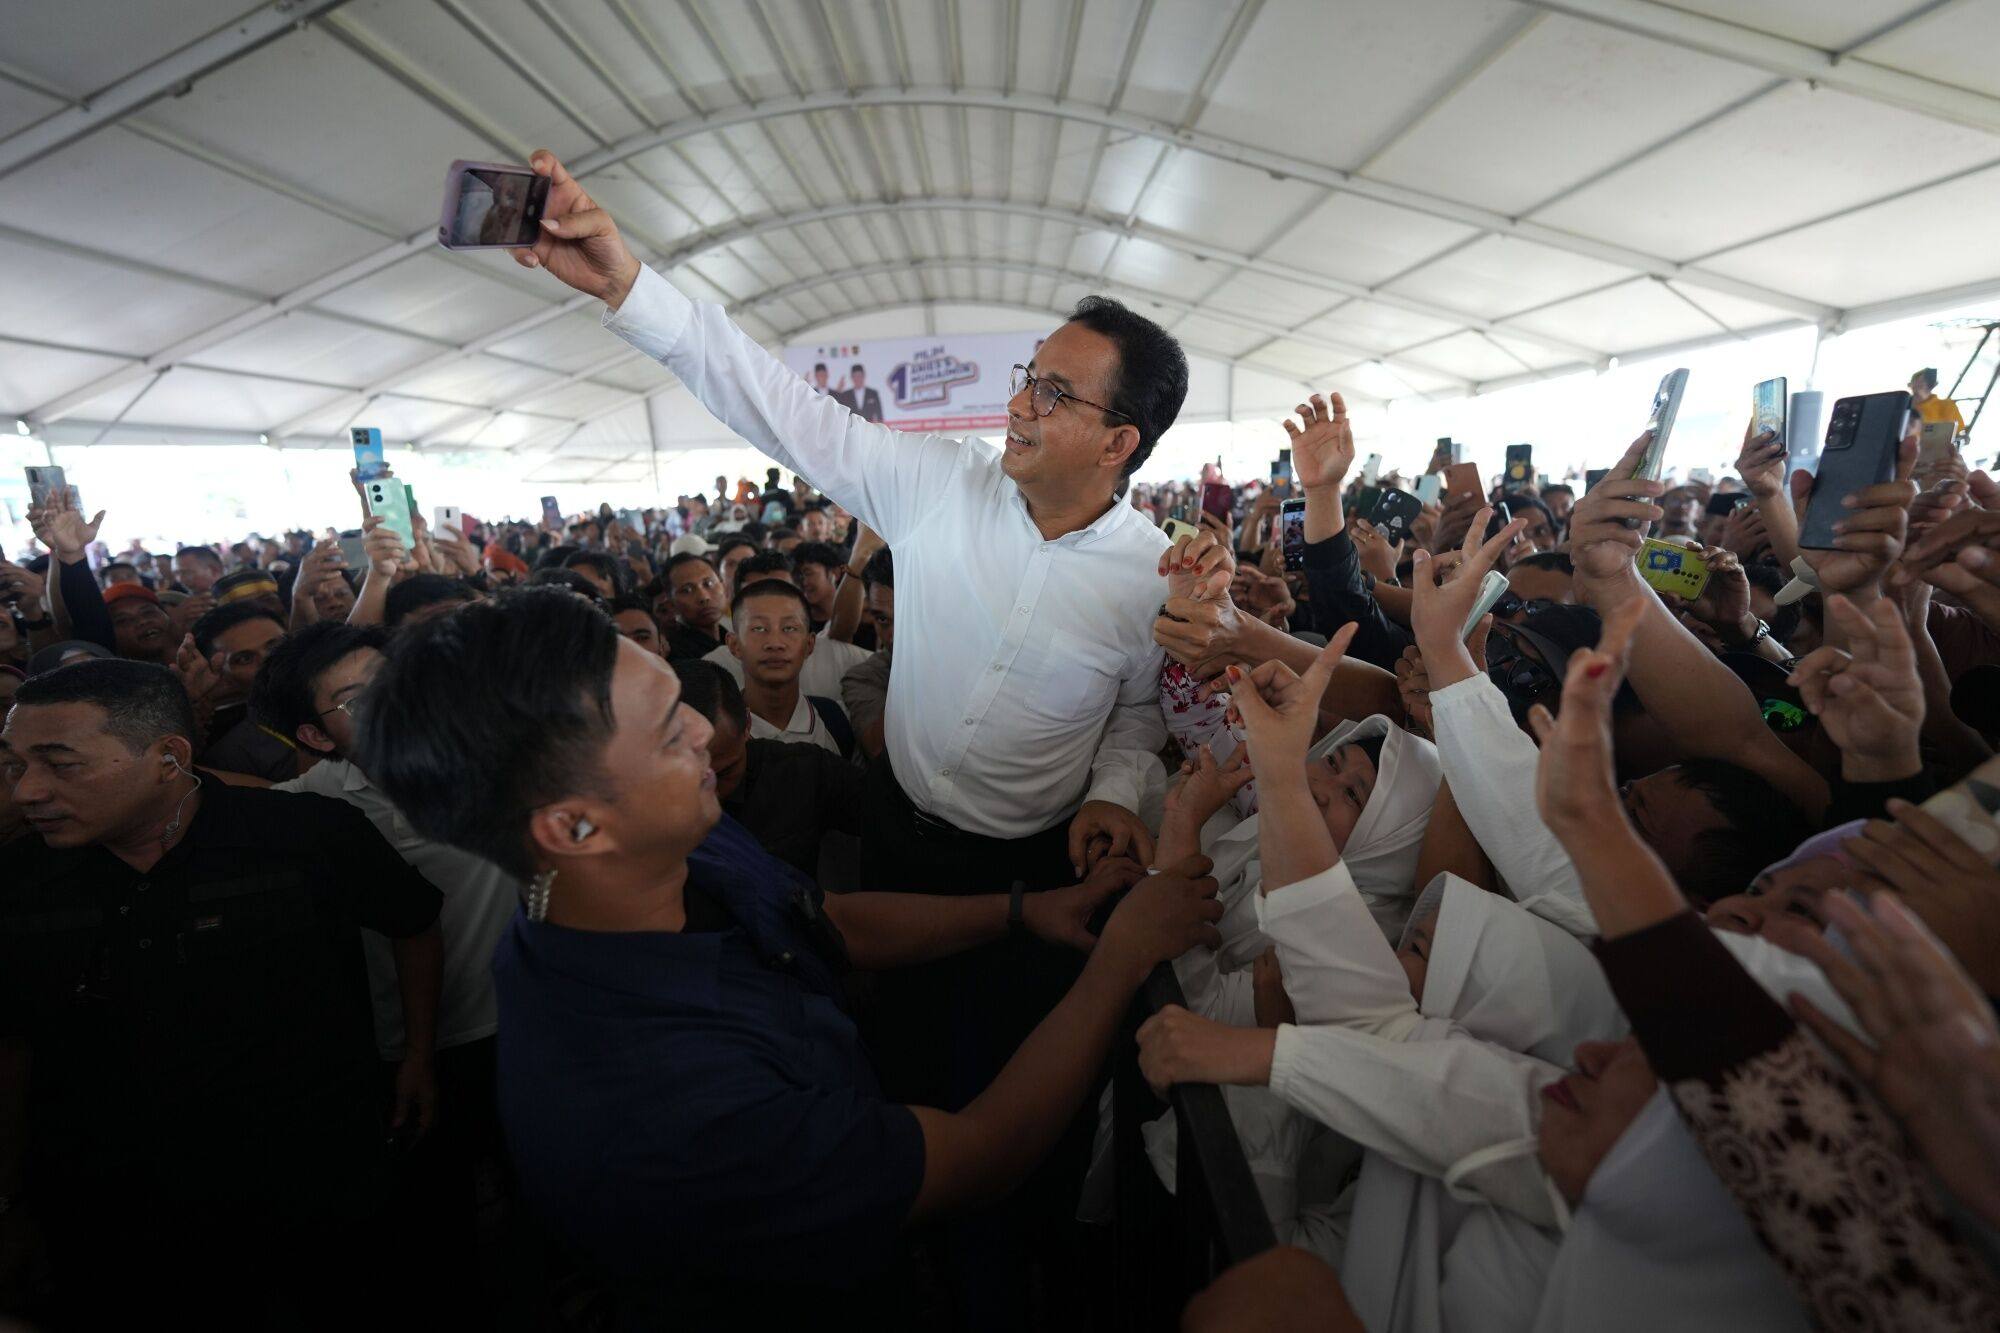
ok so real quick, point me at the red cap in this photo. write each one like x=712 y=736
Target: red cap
x=126 y=592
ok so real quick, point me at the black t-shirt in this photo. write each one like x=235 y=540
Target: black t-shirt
x=201 y=1033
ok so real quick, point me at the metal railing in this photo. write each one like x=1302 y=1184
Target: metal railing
x=1167 y=1247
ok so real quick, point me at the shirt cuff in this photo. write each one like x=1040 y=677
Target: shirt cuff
x=1285 y=1051
x=653 y=316
x=1305 y=895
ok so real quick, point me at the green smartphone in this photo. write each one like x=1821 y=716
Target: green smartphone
x=390 y=499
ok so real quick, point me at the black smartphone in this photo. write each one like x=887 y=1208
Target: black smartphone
x=1592 y=476
x=1364 y=502
x=1860 y=451
x=1292 y=533
x=1395 y=511
x=1281 y=466
x=1724 y=503
x=1520 y=464
x=1503 y=514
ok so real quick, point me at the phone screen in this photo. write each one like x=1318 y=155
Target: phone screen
x=496 y=206
x=1292 y=533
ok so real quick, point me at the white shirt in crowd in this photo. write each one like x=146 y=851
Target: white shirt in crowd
x=831 y=660
x=805 y=728
x=1026 y=680
x=479 y=901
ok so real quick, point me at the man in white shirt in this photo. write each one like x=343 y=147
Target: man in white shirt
x=307 y=691
x=1028 y=684
x=772 y=642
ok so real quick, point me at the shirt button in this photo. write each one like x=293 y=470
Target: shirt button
x=944 y=772
x=1022 y=610
x=126 y=910
x=997 y=666
x=968 y=722
x=142 y=885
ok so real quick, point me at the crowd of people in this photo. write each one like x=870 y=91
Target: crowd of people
x=613 y=921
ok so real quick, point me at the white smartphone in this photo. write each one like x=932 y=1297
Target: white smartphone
x=1429 y=486
x=1371 y=469
x=1666 y=405
x=1491 y=589
x=448 y=523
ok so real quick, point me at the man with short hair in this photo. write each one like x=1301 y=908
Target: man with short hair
x=310 y=688
x=635 y=622
x=790 y=796
x=119 y=571
x=816 y=525
x=818 y=566
x=730 y=553
x=829 y=660
x=185 y=1008
x=600 y=569
x=1560 y=499
x=424 y=597
x=771 y=641
x=233 y=641
x=858 y=398
x=693 y=597
x=140 y=626
x=197 y=568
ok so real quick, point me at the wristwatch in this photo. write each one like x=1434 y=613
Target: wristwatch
x=1017 y=924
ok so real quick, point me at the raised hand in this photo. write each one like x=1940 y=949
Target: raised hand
x=1761 y=463
x=1724 y=604
x=1576 y=782
x=1279 y=709
x=1745 y=532
x=1322 y=442
x=1206 y=786
x=1198 y=567
x=60 y=527
x=1870 y=538
x=1945 y=881
x=1202 y=636
x=1377 y=554
x=580 y=243
x=1869 y=698
x=1933 y=1053
x=384 y=547
x=1439 y=606
x=1607 y=527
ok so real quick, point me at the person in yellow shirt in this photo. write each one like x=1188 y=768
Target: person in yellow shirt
x=1924 y=400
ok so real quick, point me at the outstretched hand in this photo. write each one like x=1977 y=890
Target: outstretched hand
x=1576 y=782
x=580 y=243
x=1323 y=442
x=1279 y=709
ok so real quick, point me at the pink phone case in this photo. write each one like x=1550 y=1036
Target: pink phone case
x=454 y=179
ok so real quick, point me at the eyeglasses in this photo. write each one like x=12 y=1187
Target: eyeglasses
x=1044 y=396
x=351 y=706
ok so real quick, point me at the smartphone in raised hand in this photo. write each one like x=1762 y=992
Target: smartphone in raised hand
x=1520 y=464
x=389 y=499
x=1462 y=479
x=491 y=206
x=1395 y=511
x=1429 y=487
x=550 y=514
x=1491 y=589
x=1216 y=499
x=368 y=460
x=448 y=523
x=1673 y=570
x=1666 y=406
x=1862 y=437
x=1292 y=533
x=45 y=483
x=1767 y=409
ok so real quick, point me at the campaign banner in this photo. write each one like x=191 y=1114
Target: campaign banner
x=953 y=383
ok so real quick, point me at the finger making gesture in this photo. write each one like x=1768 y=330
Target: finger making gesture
x=1867 y=695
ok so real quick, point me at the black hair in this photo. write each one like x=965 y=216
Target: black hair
x=1562 y=486
x=879 y=572
x=824 y=554
x=565 y=578
x=819 y=365
x=110 y=565
x=142 y=701
x=218 y=621
x=555 y=557
x=755 y=531
x=1785 y=621
x=1759 y=826
x=764 y=562
x=419 y=591
x=600 y=562
x=712 y=692
x=479 y=719
x=666 y=577
x=1929 y=376
x=1151 y=382
x=1517 y=501
x=857 y=366
x=730 y=543
x=206 y=553
x=767 y=588
x=776 y=535
x=281 y=698
x=1370 y=746
x=1558 y=561
x=626 y=601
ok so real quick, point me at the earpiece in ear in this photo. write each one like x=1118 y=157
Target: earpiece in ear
x=584 y=828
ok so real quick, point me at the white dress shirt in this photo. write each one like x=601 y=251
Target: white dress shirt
x=479 y=901
x=805 y=728
x=1027 y=680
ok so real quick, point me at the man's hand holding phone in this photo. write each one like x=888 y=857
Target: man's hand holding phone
x=59 y=526
x=1607 y=527
x=386 y=552
x=1761 y=463
x=1871 y=536
x=580 y=243
x=1439 y=605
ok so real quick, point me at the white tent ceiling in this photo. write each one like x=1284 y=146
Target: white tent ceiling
x=218 y=225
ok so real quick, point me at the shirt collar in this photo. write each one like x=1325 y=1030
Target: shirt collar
x=1105 y=524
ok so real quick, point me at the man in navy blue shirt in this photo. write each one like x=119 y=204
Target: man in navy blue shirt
x=687 y=1102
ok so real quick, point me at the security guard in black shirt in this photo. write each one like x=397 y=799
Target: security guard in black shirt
x=182 y=985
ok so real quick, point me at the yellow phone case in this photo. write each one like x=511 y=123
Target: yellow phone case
x=1673 y=570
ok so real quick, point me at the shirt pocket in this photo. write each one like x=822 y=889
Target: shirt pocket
x=1077 y=679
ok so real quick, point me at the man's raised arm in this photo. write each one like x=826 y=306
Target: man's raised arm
x=880 y=474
